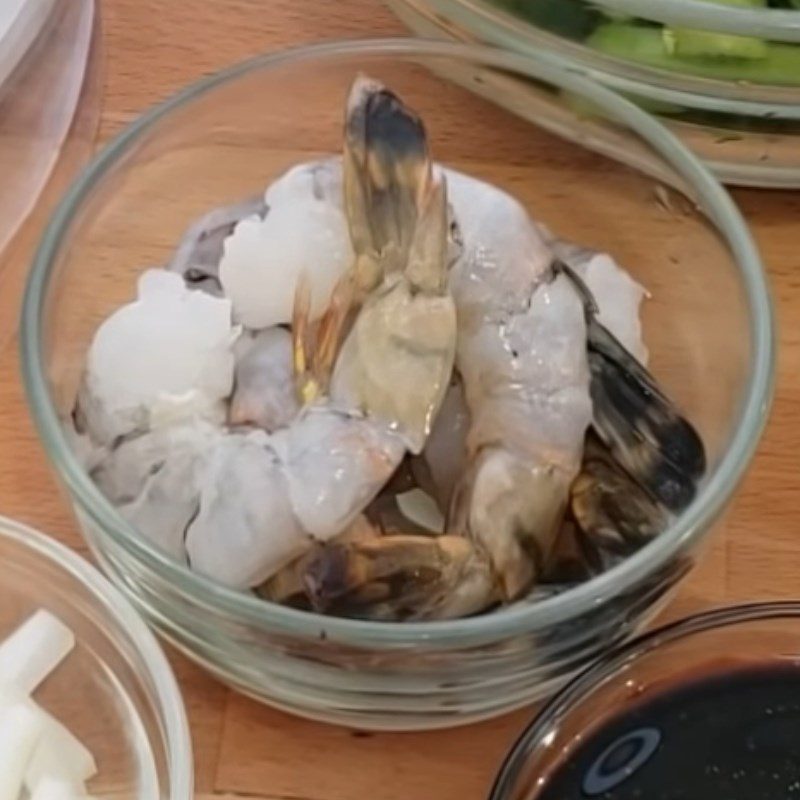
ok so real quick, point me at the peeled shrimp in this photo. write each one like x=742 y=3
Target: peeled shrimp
x=264 y=258
x=264 y=393
x=363 y=247
x=338 y=414
x=154 y=480
x=522 y=357
x=267 y=499
x=521 y=352
x=199 y=252
x=658 y=450
x=526 y=343
x=616 y=294
x=166 y=355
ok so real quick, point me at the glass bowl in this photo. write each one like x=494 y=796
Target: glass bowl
x=115 y=691
x=745 y=124
x=718 y=643
x=224 y=139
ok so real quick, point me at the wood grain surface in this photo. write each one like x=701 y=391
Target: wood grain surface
x=153 y=47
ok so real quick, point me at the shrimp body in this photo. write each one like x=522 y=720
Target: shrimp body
x=521 y=352
x=370 y=372
x=522 y=357
x=264 y=500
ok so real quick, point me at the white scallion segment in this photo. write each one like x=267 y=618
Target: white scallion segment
x=38 y=744
x=50 y=788
x=20 y=729
x=56 y=739
x=421 y=508
x=33 y=651
x=58 y=753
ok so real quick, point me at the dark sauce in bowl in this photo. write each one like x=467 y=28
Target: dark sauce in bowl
x=734 y=736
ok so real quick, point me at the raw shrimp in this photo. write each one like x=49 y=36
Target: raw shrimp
x=642 y=428
x=389 y=578
x=264 y=393
x=300 y=231
x=521 y=352
x=364 y=404
x=522 y=357
x=167 y=355
x=154 y=480
x=615 y=515
x=645 y=432
x=199 y=253
x=362 y=392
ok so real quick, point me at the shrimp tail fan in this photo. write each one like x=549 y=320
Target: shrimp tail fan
x=640 y=425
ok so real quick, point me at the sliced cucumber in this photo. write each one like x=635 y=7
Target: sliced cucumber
x=779 y=66
x=693 y=43
x=690 y=43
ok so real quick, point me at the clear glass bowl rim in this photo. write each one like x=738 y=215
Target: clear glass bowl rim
x=159 y=672
x=770 y=23
x=575 y=692
x=689 y=528
x=502 y=28
x=777 y=24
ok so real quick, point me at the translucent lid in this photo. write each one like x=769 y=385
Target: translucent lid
x=45 y=68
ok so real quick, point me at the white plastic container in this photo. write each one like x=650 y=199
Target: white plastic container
x=49 y=67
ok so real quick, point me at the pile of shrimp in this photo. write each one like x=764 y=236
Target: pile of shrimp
x=382 y=391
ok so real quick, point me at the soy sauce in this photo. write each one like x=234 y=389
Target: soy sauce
x=731 y=737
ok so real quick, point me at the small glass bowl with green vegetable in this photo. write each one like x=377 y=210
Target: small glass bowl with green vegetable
x=724 y=74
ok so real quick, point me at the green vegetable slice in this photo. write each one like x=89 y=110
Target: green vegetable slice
x=780 y=64
x=696 y=43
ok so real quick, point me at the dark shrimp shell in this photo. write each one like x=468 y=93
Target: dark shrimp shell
x=640 y=425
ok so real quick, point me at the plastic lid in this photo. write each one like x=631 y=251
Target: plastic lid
x=45 y=69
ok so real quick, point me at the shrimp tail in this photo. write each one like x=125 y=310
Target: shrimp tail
x=392 y=578
x=614 y=514
x=301 y=341
x=512 y=510
x=403 y=344
x=387 y=179
x=314 y=349
x=639 y=424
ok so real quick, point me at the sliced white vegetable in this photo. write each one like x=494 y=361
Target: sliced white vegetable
x=36 y=750
x=20 y=729
x=33 y=651
x=50 y=788
x=55 y=738
x=59 y=753
x=421 y=508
